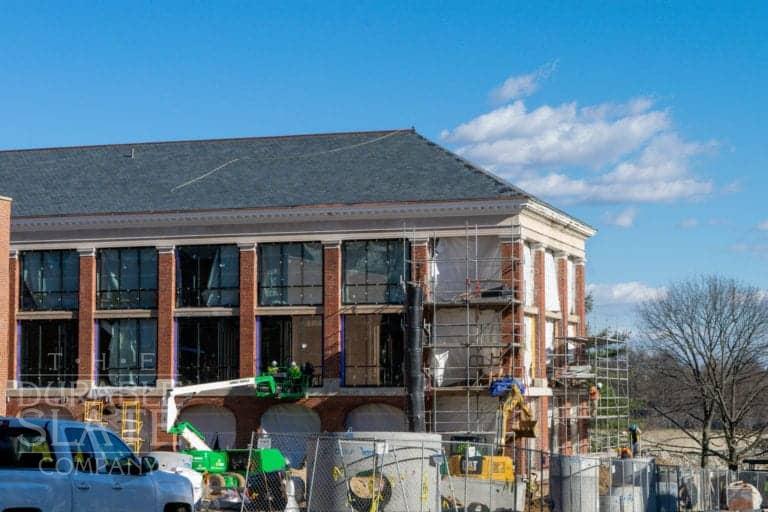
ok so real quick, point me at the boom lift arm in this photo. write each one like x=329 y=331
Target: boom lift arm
x=172 y=410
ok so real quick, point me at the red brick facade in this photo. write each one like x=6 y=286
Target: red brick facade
x=13 y=308
x=166 y=305
x=86 y=318
x=248 y=310
x=331 y=310
x=5 y=237
x=581 y=310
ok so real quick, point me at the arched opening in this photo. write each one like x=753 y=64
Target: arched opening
x=291 y=425
x=376 y=418
x=218 y=424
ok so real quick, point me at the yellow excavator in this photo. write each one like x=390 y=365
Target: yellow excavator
x=498 y=467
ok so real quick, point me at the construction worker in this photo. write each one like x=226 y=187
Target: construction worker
x=594 y=398
x=273 y=369
x=294 y=372
x=634 y=439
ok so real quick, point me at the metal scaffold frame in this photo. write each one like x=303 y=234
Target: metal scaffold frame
x=590 y=380
x=473 y=331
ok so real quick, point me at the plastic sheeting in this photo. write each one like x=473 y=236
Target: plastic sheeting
x=214 y=422
x=376 y=418
x=529 y=348
x=462 y=414
x=550 y=282
x=528 y=275
x=456 y=259
x=452 y=364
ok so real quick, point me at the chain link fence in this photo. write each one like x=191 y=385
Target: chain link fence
x=405 y=472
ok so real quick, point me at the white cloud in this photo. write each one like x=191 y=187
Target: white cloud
x=631 y=292
x=689 y=223
x=763 y=226
x=520 y=86
x=607 y=152
x=623 y=219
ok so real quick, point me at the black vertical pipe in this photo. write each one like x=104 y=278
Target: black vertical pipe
x=414 y=383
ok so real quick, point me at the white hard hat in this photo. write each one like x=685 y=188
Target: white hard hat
x=274 y=363
x=293 y=363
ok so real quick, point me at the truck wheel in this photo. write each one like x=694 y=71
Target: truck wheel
x=214 y=484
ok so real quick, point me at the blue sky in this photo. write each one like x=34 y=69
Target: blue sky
x=647 y=120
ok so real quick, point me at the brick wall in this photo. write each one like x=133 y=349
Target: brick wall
x=5 y=241
x=332 y=310
x=248 y=310
x=540 y=301
x=166 y=304
x=86 y=316
x=13 y=307
x=420 y=264
x=581 y=296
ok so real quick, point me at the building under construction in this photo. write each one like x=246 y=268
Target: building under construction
x=163 y=264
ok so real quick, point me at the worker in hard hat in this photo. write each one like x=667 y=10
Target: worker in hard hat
x=273 y=369
x=634 y=439
x=594 y=398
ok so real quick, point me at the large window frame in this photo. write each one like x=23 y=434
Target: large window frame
x=290 y=274
x=50 y=283
x=123 y=287
x=202 y=276
x=202 y=359
x=280 y=341
x=48 y=353
x=373 y=271
x=131 y=359
x=381 y=348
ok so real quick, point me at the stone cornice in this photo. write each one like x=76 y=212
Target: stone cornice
x=271 y=215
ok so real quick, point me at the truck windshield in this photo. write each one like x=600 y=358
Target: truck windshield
x=25 y=448
x=117 y=456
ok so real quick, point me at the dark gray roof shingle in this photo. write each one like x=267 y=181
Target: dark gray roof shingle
x=301 y=170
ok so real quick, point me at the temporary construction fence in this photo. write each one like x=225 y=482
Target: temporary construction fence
x=407 y=472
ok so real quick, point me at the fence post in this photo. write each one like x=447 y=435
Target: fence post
x=314 y=468
x=247 y=474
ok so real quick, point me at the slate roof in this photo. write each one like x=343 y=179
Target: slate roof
x=300 y=170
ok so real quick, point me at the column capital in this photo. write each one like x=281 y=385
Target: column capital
x=579 y=260
x=246 y=246
x=13 y=254
x=331 y=244
x=538 y=246
x=419 y=241
x=86 y=251
x=561 y=255
x=165 y=248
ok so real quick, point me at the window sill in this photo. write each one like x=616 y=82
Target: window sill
x=206 y=311
x=46 y=315
x=289 y=310
x=363 y=309
x=125 y=313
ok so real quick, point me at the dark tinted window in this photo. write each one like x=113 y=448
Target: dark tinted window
x=25 y=448
x=374 y=350
x=208 y=350
x=290 y=274
x=286 y=339
x=127 y=352
x=49 y=352
x=49 y=280
x=373 y=271
x=208 y=275
x=81 y=448
x=127 y=278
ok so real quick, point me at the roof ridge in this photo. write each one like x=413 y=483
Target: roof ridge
x=222 y=139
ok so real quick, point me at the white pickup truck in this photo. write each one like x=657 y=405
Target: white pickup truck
x=68 y=466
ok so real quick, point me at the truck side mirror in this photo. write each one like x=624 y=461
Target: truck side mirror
x=149 y=464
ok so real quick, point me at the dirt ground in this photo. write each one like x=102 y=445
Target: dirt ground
x=672 y=446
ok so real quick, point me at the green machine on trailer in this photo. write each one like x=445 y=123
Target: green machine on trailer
x=228 y=469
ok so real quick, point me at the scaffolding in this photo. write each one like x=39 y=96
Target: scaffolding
x=131 y=425
x=473 y=330
x=94 y=412
x=590 y=380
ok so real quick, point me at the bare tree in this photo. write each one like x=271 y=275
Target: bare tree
x=708 y=339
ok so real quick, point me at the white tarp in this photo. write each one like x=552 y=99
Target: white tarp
x=528 y=275
x=452 y=327
x=458 y=259
x=376 y=418
x=550 y=340
x=550 y=279
x=451 y=413
x=571 y=286
x=214 y=422
x=529 y=348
